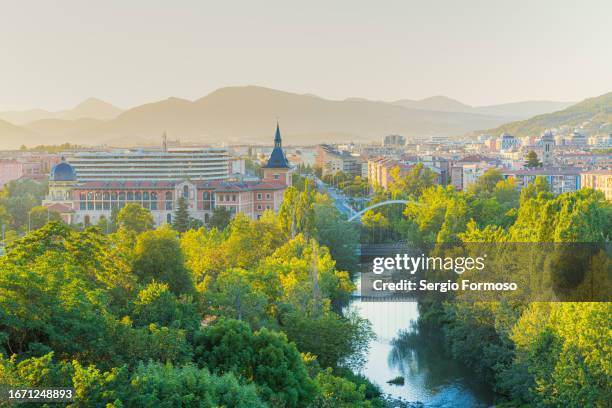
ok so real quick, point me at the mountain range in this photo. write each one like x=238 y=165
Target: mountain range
x=247 y=114
x=597 y=110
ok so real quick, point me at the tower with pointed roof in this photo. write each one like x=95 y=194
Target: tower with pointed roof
x=277 y=169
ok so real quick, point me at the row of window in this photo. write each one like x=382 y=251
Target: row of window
x=138 y=196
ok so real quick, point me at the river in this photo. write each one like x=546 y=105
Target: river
x=430 y=377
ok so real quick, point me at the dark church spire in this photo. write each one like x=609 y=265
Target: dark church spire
x=277 y=136
x=277 y=158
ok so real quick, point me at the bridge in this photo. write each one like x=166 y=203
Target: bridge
x=358 y=215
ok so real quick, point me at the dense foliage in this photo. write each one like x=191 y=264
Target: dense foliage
x=145 y=317
x=533 y=354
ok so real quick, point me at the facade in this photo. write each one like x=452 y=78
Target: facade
x=560 y=180
x=165 y=164
x=379 y=171
x=87 y=202
x=394 y=141
x=548 y=147
x=34 y=166
x=332 y=161
x=600 y=180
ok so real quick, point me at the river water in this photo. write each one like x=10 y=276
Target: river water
x=430 y=377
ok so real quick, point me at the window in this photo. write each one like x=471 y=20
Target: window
x=268 y=207
x=106 y=196
x=185 y=192
x=259 y=196
x=122 y=196
x=169 y=218
x=233 y=197
x=145 y=196
x=138 y=196
x=82 y=205
x=90 y=205
x=114 y=196
x=130 y=196
x=259 y=208
x=206 y=218
x=98 y=196
x=86 y=220
x=276 y=177
x=268 y=196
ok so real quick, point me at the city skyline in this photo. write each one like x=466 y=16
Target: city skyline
x=129 y=54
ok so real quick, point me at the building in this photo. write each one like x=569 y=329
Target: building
x=548 y=147
x=331 y=161
x=379 y=171
x=466 y=171
x=560 y=179
x=192 y=163
x=394 y=141
x=600 y=180
x=508 y=142
x=88 y=201
x=26 y=165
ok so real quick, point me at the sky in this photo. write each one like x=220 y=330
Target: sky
x=54 y=54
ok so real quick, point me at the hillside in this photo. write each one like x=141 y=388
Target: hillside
x=247 y=115
x=11 y=136
x=92 y=108
x=597 y=109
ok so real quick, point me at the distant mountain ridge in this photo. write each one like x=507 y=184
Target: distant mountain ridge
x=91 y=108
x=246 y=114
x=596 y=109
x=511 y=111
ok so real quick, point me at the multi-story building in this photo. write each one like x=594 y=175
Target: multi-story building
x=394 y=141
x=87 y=201
x=599 y=180
x=379 y=171
x=27 y=165
x=466 y=171
x=332 y=161
x=193 y=163
x=560 y=179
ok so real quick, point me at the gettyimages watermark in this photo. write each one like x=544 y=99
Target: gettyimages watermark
x=526 y=272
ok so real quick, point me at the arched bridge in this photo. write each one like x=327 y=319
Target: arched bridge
x=358 y=215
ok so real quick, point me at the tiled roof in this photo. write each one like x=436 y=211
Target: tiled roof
x=60 y=208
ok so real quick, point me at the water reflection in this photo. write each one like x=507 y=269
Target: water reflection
x=416 y=353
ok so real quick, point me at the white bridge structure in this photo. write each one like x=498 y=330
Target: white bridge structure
x=357 y=215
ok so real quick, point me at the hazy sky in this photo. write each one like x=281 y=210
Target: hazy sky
x=56 y=53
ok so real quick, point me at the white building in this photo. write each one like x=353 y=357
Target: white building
x=191 y=163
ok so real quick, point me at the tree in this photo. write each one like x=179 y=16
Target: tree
x=487 y=182
x=181 y=216
x=221 y=218
x=339 y=235
x=263 y=357
x=532 y=161
x=158 y=257
x=40 y=215
x=135 y=218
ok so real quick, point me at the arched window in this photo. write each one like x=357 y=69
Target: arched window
x=168 y=195
x=98 y=196
x=106 y=196
x=130 y=196
x=122 y=196
x=138 y=196
x=89 y=196
x=145 y=196
x=154 y=196
x=206 y=195
x=114 y=196
x=185 y=192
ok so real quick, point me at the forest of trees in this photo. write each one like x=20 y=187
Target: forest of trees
x=248 y=313
x=532 y=354
x=244 y=316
